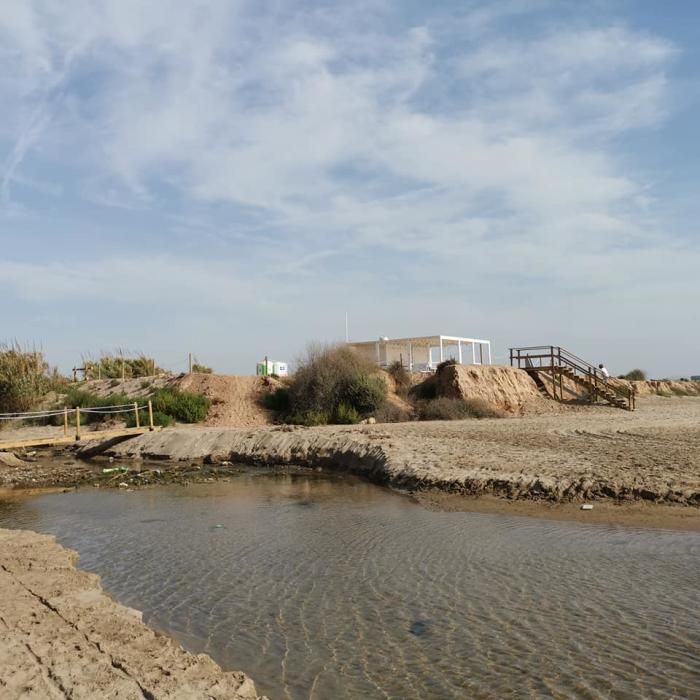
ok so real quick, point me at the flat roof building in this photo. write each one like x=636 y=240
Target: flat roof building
x=423 y=353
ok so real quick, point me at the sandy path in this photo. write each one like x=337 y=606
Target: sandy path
x=235 y=400
x=652 y=454
x=61 y=636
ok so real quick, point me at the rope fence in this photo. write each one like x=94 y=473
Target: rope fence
x=78 y=411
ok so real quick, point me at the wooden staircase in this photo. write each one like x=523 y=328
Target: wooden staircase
x=558 y=364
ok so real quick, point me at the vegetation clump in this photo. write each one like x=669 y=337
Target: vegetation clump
x=401 y=377
x=201 y=369
x=169 y=405
x=635 y=375
x=25 y=377
x=183 y=406
x=114 y=366
x=331 y=385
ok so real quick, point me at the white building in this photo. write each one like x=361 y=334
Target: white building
x=423 y=353
x=266 y=367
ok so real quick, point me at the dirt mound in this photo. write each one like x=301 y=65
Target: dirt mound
x=506 y=388
x=666 y=388
x=235 y=401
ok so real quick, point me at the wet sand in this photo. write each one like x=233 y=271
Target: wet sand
x=637 y=514
x=61 y=636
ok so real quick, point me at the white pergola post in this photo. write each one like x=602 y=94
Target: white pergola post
x=459 y=351
x=481 y=353
x=473 y=353
x=442 y=355
x=488 y=346
x=410 y=357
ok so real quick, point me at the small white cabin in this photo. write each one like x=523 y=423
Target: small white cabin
x=265 y=368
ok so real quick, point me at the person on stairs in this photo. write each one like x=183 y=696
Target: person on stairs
x=604 y=372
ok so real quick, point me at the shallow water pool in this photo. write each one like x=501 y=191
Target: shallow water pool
x=322 y=586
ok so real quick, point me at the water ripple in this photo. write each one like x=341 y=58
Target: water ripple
x=331 y=588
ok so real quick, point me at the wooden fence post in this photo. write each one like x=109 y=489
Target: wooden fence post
x=136 y=414
x=77 y=423
x=65 y=421
x=150 y=415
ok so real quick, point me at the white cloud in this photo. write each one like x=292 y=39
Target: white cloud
x=347 y=132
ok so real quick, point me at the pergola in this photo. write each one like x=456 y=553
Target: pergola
x=425 y=352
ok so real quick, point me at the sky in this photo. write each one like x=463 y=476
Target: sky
x=231 y=177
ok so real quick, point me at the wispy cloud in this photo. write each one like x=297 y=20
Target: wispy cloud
x=473 y=143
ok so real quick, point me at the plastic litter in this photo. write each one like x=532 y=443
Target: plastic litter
x=586 y=506
x=111 y=470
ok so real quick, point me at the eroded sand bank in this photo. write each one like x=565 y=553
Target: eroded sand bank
x=61 y=636
x=593 y=453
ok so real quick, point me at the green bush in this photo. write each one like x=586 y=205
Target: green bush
x=364 y=394
x=76 y=398
x=202 y=369
x=161 y=419
x=346 y=415
x=309 y=418
x=183 y=406
x=455 y=409
x=277 y=400
x=328 y=377
x=168 y=405
x=635 y=375
x=24 y=378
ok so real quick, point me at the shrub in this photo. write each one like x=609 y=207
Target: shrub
x=24 y=378
x=345 y=415
x=364 y=394
x=75 y=398
x=635 y=375
x=183 y=406
x=391 y=413
x=277 y=400
x=456 y=409
x=426 y=390
x=309 y=418
x=401 y=377
x=201 y=369
x=328 y=377
x=162 y=419
x=112 y=366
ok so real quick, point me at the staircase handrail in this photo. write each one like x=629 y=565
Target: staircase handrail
x=561 y=357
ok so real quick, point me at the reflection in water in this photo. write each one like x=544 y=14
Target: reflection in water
x=326 y=587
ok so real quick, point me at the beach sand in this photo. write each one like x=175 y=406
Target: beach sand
x=61 y=636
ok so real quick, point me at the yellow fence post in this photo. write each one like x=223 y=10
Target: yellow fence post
x=77 y=422
x=136 y=414
x=65 y=421
x=150 y=415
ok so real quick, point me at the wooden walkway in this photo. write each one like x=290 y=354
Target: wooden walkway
x=79 y=434
x=9 y=445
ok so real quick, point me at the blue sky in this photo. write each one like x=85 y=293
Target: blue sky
x=230 y=178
